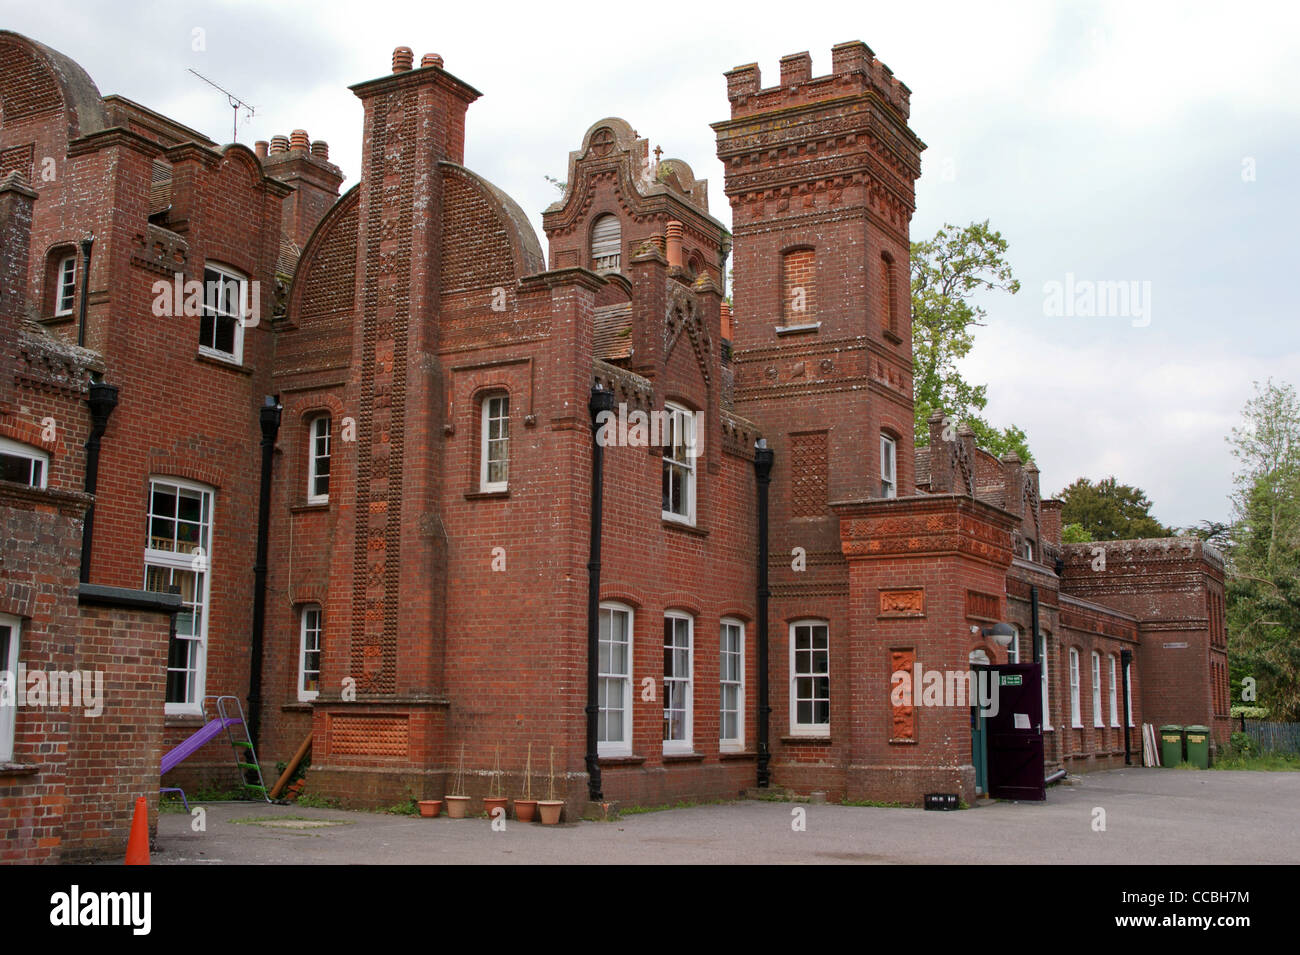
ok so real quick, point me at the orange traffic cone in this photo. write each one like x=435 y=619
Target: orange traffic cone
x=137 y=846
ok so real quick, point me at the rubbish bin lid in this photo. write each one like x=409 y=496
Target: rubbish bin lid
x=1198 y=729
x=1171 y=728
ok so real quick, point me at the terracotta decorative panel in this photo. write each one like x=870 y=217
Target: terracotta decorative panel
x=902 y=720
x=981 y=606
x=903 y=603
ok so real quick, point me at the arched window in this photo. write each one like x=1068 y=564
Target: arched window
x=681 y=448
x=606 y=244
x=798 y=287
x=678 y=692
x=310 y=647
x=10 y=630
x=494 y=450
x=810 y=678
x=614 y=686
x=731 y=675
x=888 y=466
x=1076 y=713
x=318 y=460
x=1096 y=689
x=1047 y=683
x=62 y=272
x=178 y=554
x=1114 y=698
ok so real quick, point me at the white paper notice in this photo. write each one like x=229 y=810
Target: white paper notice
x=1022 y=721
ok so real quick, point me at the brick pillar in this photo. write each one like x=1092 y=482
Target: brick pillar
x=16 y=200
x=912 y=565
x=390 y=556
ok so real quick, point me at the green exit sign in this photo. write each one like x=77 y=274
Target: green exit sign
x=1011 y=679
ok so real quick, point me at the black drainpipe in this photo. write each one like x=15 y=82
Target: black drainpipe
x=763 y=457
x=87 y=244
x=102 y=400
x=1126 y=658
x=601 y=401
x=270 y=421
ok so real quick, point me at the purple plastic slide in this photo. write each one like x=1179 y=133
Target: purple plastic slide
x=174 y=757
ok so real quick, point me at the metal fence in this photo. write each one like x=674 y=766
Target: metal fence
x=1274 y=737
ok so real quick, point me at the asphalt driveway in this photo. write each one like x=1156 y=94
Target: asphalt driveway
x=1149 y=816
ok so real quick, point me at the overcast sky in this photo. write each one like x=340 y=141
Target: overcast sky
x=1145 y=143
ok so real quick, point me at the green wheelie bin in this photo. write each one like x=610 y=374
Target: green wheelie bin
x=1171 y=745
x=1198 y=746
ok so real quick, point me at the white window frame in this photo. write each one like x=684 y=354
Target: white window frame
x=315 y=436
x=1129 y=708
x=306 y=633
x=796 y=727
x=888 y=466
x=1013 y=648
x=198 y=561
x=1076 y=714
x=8 y=687
x=490 y=416
x=15 y=449
x=731 y=744
x=1097 y=719
x=1047 y=683
x=680 y=457
x=65 y=286
x=223 y=274
x=1029 y=550
x=1114 y=698
x=686 y=683
x=623 y=746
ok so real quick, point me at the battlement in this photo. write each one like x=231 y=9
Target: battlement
x=854 y=69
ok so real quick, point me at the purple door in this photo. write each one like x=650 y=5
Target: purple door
x=1015 y=732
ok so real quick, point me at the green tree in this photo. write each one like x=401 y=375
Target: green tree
x=1263 y=593
x=1074 y=534
x=948 y=272
x=1109 y=511
x=1215 y=533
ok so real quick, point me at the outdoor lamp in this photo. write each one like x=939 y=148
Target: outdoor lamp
x=1001 y=633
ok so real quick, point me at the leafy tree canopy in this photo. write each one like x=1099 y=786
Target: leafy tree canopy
x=1108 y=511
x=948 y=273
x=1263 y=593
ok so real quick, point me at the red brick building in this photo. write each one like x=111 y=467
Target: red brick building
x=416 y=374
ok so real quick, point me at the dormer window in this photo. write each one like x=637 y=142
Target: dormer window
x=23 y=464
x=221 y=327
x=606 y=244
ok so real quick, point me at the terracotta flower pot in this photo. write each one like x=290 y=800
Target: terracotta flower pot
x=492 y=802
x=525 y=809
x=430 y=808
x=550 y=810
x=457 y=806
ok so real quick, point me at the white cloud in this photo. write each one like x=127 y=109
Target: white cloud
x=1153 y=415
x=1104 y=139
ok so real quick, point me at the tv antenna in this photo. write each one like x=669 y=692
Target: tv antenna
x=235 y=102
